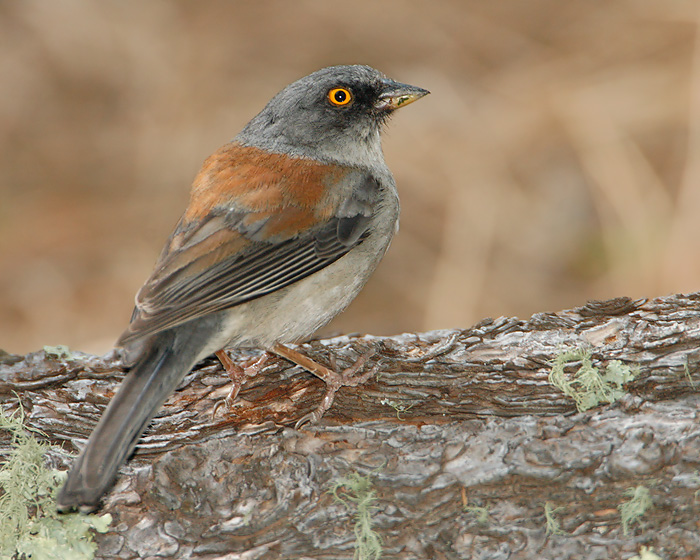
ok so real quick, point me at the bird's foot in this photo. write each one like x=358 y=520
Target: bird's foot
x=334 y=381
x=239 y=375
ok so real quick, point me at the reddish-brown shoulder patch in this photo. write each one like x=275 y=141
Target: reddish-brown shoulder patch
x=253 y=180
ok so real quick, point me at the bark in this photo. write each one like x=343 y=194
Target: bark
x=452 y=421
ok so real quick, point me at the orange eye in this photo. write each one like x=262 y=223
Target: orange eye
x=339 y=96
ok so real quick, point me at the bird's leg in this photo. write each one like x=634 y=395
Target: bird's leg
x=239 y=374
x=333 y=380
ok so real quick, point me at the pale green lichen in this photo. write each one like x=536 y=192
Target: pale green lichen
x=400 y=408
x=588 y=387
x=30 y=527
x=480 y=513
x=632 y=510
x=60 y=352
x=646 y=554
x=686 y=371
x=552 y=527
x=359 y=495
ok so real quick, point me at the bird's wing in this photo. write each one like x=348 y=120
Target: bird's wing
x=256 y=222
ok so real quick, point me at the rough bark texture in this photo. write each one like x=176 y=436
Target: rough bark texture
x=452 y=420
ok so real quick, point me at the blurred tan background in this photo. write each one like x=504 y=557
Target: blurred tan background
x=557 y=159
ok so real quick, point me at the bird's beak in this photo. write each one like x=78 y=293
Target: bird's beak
x=396 y=95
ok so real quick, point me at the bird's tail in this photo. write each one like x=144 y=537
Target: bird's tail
x=157 y=372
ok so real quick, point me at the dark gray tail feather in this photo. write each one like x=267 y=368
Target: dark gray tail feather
x=163 y=363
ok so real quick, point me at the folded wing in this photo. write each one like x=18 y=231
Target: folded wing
x=255 y=225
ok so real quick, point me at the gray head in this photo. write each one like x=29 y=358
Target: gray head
x=334 y=115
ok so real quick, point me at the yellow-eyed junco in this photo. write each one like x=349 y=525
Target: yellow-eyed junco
x=285 y=225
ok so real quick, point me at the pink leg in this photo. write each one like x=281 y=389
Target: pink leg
x=240 y=374
x=333 y=380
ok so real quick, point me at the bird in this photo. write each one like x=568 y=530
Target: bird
x=284 y=226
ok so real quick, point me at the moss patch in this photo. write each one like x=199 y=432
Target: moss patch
x=588 y=386
x=30 y=526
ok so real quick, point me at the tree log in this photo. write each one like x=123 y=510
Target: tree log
x=460 y=434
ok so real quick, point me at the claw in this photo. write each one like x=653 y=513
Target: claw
x=333 y=380
x=239 y=375
x=310 y=418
